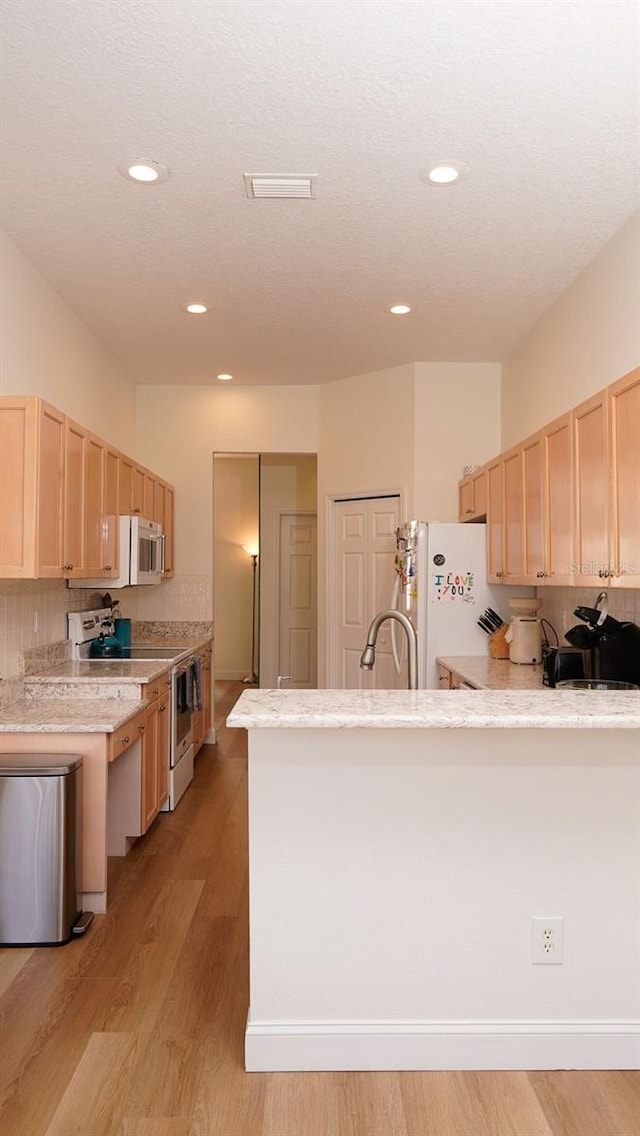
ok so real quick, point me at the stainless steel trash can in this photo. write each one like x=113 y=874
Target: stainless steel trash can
x=40 y=799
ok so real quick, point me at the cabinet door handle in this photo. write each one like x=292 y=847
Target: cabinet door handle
x=468 y=510
x=141 y=727
x=162 y=709
x=156 y=691
x=124 y=740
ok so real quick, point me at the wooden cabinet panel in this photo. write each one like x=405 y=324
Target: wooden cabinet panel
x=125 y=486
x=465 y=499
x=49 y=539
x=120 y=740
x=137 y=493
x=624 y=408
x=110 y=527
x=159 y=502
x=559 y=566
x=168 y=530
x=533 y=454
x=149 y=505
x=74 y=544
x=479 y=482
x=149 y=800
x=163 y=741
x=155 y=758
x=472 y=497
x=513 y=567
x=62 y=490
x=592 y=487
x=19 y=420
x=93 y=505
x=495 y=520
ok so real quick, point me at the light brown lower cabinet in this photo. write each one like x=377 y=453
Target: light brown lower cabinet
x=155 y=760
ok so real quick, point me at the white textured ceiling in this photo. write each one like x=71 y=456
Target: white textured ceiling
x=540 y=99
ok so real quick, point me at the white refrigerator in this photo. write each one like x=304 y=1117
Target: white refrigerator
x=442 y=586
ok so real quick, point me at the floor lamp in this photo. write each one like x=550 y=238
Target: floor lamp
x=252 y=678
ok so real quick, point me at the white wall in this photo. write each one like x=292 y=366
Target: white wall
x=589 y=338
x=46 y=350
x=457 y=423
x=179 y=429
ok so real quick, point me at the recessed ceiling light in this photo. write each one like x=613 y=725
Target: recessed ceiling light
x=144 y=172
x=195 y=309
x=444 y=173
x=400 y=310
x=224 y=378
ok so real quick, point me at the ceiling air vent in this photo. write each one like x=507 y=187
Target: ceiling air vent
x=280 y=185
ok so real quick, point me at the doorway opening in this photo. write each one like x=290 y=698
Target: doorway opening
x=265 y=568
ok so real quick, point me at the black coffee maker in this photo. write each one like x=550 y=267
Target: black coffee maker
x=613 y=644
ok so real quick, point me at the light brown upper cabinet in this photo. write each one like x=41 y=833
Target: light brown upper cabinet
x=163 y=513
x=624 y=419
x=495 y=519
x=533 y=508
x=149 y=497
x=563 y=507
x=101 y=508
x=31 y=485
x=168 y=530
x=559 y=568
x=513 y=524
x=592 y=490
x=75 y=487
x=548 y=505
x=472 y=497
x=61 y=491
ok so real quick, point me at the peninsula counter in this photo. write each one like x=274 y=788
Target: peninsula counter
x=400 y=845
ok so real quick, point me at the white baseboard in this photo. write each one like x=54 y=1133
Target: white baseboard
x=350 y=1046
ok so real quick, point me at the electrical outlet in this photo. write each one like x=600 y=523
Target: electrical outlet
x=547 y=940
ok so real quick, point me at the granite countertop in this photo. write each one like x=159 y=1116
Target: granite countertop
x=20 y=713
x=94 y=677
x=437 y=709
x=493 y=674
x=91 y=696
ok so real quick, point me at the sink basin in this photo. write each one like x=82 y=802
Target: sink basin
x=596 y=684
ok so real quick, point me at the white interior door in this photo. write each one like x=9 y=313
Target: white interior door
x=297 y=601
x=363 y=576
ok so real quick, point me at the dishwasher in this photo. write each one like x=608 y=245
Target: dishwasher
x=40 y=845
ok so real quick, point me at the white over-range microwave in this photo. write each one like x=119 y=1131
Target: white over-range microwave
x=141 y=556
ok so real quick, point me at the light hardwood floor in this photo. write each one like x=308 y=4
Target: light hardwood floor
x=137 y=1029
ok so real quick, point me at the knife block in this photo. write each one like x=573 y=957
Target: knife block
x=498 y=649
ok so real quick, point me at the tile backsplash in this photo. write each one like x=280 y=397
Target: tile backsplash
x=33 y=616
